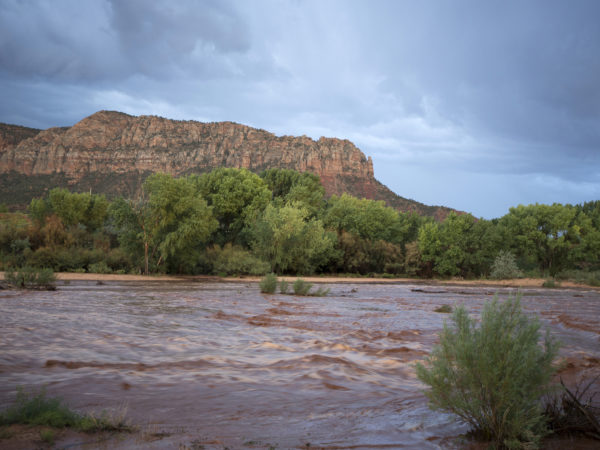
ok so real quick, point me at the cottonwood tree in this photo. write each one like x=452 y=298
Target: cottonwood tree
x=168 y=218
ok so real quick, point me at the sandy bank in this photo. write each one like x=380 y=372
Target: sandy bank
x=517 y=282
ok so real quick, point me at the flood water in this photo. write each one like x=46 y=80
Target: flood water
x=215 y=364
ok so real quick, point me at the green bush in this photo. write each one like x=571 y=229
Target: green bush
x=234 y=260
x=99 y=267
x=550 y=283
x=505 y=266
x=493 y=375
x=37 y=409
x=31 y=278
x=268 y=284
x=284 y=286
x=320 y=292
x=301 y=287
x=43 y=257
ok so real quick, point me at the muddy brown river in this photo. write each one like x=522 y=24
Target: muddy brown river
x=217 y=364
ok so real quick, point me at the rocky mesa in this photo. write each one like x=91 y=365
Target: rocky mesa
x=112 y=153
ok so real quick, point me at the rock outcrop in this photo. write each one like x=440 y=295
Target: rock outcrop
x=112 y=152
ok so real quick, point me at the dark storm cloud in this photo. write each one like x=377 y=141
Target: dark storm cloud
x=477 y=105
x=111 y=40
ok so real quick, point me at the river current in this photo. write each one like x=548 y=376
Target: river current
x=218 y=364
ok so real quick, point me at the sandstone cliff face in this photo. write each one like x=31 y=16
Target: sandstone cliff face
x=112 y=152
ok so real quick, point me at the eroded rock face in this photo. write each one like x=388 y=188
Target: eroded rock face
x=115 y=146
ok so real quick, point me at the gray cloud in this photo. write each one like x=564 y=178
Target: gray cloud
x=455 y=100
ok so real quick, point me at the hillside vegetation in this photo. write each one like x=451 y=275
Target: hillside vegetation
x=232 y=221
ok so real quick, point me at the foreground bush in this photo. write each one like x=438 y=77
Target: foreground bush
x=493 y=375
x=31 y=278
x=37 y=409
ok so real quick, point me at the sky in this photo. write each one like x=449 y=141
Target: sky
x=476 y=105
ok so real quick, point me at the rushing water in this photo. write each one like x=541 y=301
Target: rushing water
x=219 y=364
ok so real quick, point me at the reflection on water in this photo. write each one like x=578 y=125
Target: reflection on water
x=230 y=364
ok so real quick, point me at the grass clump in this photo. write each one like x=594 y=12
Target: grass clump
x=37 y=409
x=301 y=287
x=493 y=375
x=505 y=266
x=31 y=278
x=284 y=286
x=268 y=284
x=444 y=309
x=47 y=436
x=550 y=283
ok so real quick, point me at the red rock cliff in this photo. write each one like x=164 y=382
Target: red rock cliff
x=113 y=144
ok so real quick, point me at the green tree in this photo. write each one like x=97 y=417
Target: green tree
x=450 y=248
x=544 y=234
x=89 y=210
x=169 y=219
x=291 y=187
x=291 y=241
x=237 y=197
x=368 y=219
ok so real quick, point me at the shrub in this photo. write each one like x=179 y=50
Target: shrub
x=268 y=284
x=494 y=375
x=550 y=283
x=320 y=292
x=47 y=436
x=505 y=266
x=234 y=260
x=37 y=409
x=301 y=287
x=283 y=286
x=99 y=267
x=31 y=278
x=444 y=309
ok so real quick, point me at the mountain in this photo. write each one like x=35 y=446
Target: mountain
x=112 y=152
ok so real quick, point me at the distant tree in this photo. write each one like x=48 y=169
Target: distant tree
x=170 y=218
x=291 y=187
x=89 y=210
x=237 y=197
x=290 y=240
x=544 y=234
x=448 y=247
x=368 y=219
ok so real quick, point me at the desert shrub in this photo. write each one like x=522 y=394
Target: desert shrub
x=550 y=283
x=268 y=284
x=284 y=286
x=119 y=260
x=591 y=278
x=505 y=266
x=493 y=375
x=301 y=287
x=31 y=278
x=234 y=260
x=320 y=292
x=99 y=267
x=43 y=257
x=37 y=409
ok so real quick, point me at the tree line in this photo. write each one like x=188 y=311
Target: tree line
x=233 y=221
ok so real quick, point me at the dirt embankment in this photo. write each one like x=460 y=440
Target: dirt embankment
x=516 y=282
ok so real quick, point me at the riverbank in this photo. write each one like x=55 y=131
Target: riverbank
x=516 y=282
